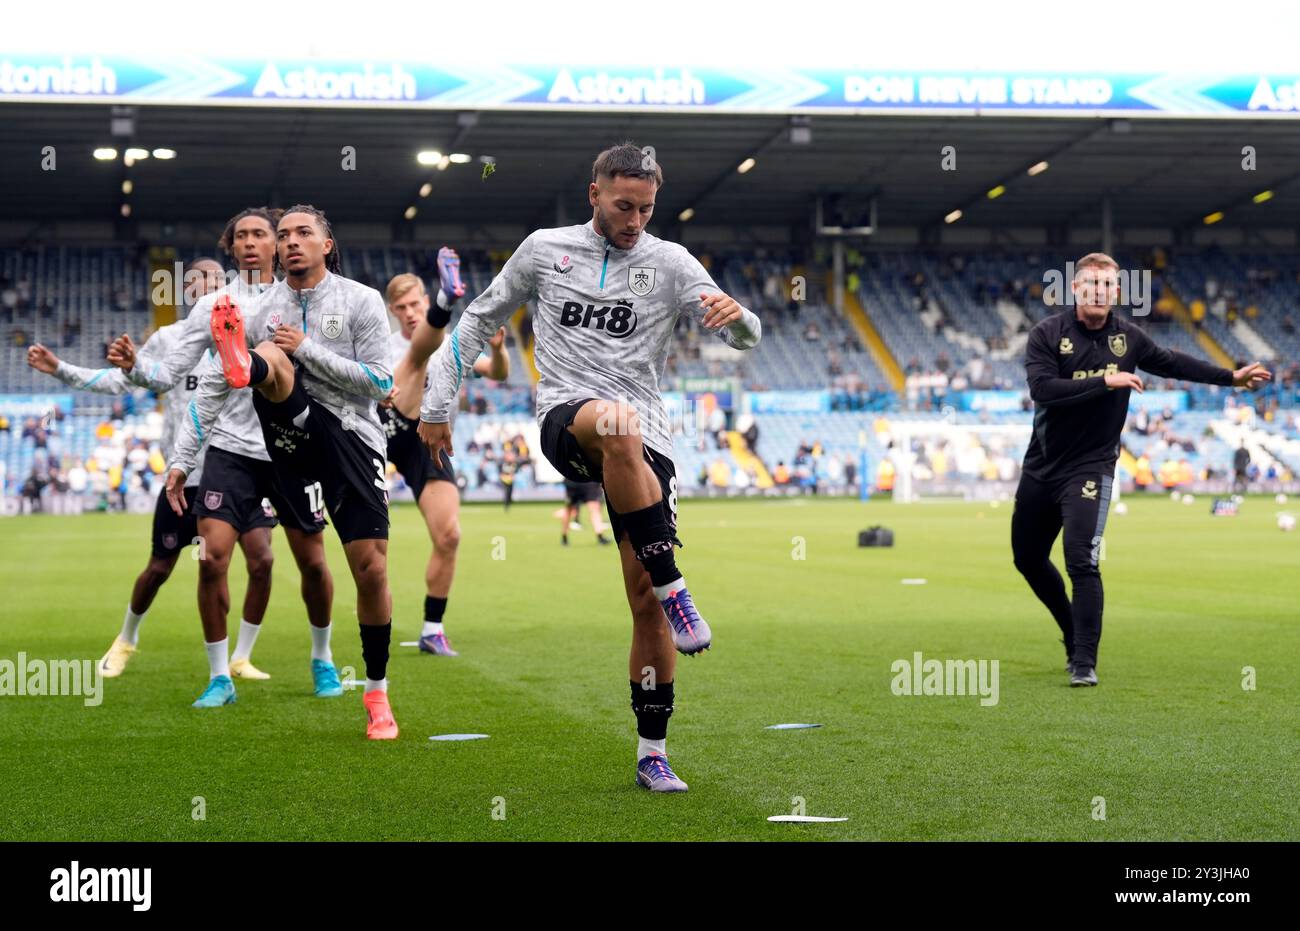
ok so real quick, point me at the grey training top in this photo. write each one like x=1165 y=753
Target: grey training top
x=603 y=325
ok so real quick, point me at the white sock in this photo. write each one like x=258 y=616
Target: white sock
x=244 y=644
x=645 y=748
x=218 y=660
x=131 y=626
x=663 y=591
x=376 y=685
x=320 y=643
x=431 y=628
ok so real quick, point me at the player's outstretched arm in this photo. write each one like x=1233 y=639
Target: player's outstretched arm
x=162 y=371
x=108 y=380
x=1167 y=363
x=370 y=375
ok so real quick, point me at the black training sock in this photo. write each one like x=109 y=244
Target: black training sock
x=653 y=708
x=374 y=649
x=258 y=370
x=437 y=316
x=434 y=608
x=652 y=542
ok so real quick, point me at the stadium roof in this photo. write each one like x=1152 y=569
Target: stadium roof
x=1159 y=173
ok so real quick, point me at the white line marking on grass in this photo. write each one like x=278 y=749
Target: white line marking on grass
x=914 y=581
x=459 y=737
x=803 y=819
x=788 y=727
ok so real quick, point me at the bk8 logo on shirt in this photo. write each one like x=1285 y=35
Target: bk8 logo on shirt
x=619 y=321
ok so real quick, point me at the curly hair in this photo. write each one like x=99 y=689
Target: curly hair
x=333 y=262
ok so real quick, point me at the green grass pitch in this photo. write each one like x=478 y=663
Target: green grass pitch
x=1171 y=740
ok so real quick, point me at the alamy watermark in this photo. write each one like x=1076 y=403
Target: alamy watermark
x=40 y=677
x=920 y=676
x=1132 y=288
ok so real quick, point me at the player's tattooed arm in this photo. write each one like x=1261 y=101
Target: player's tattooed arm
x=516 y=284
x=370 y=375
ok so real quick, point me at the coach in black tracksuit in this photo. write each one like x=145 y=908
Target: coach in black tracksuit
x=1080 y=366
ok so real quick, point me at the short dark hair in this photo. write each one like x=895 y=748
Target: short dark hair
x=629 y=160
x=333 y=262
x=227 y=241
x=203 y=258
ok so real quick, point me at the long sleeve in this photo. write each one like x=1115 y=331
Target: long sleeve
x=370 y=375
x=1042 y=371
x=110 y=380
x=1166 y=363
x=692 y=281
x=516 y=283
x=192 y=432
x=161 y=372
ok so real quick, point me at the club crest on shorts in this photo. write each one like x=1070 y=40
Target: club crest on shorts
x=1066 y=347
x=641 y=279
x=212 y=499
x=331 y=326
x=1118 y=345
x=170 y=541
x=1089 y=490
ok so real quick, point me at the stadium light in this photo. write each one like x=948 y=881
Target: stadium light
x=106 y=154
x=1263 y=197
x=1037 y=168
x=164 y=153
x=410 y=212
x=952 y=217
x=138 y=155
x=686 y=214
x=460 y=158
x=426 y=189
x=128 y=186
x=995 y=193
x=1213 y=218
x=745 y=165
x=126 y=210
x=443 y=163
x=428 y=157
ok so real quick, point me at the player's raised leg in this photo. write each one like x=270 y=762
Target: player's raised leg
x=652 y=665
x=609 y=434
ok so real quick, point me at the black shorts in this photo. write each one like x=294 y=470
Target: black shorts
x=561 y=448
x=581 y=492
x=332 y=465
x=409 y=455
x=246 y=493
x=171 y=533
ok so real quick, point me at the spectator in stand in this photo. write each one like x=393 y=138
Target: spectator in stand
x=781 y=474
x=1240 y=465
